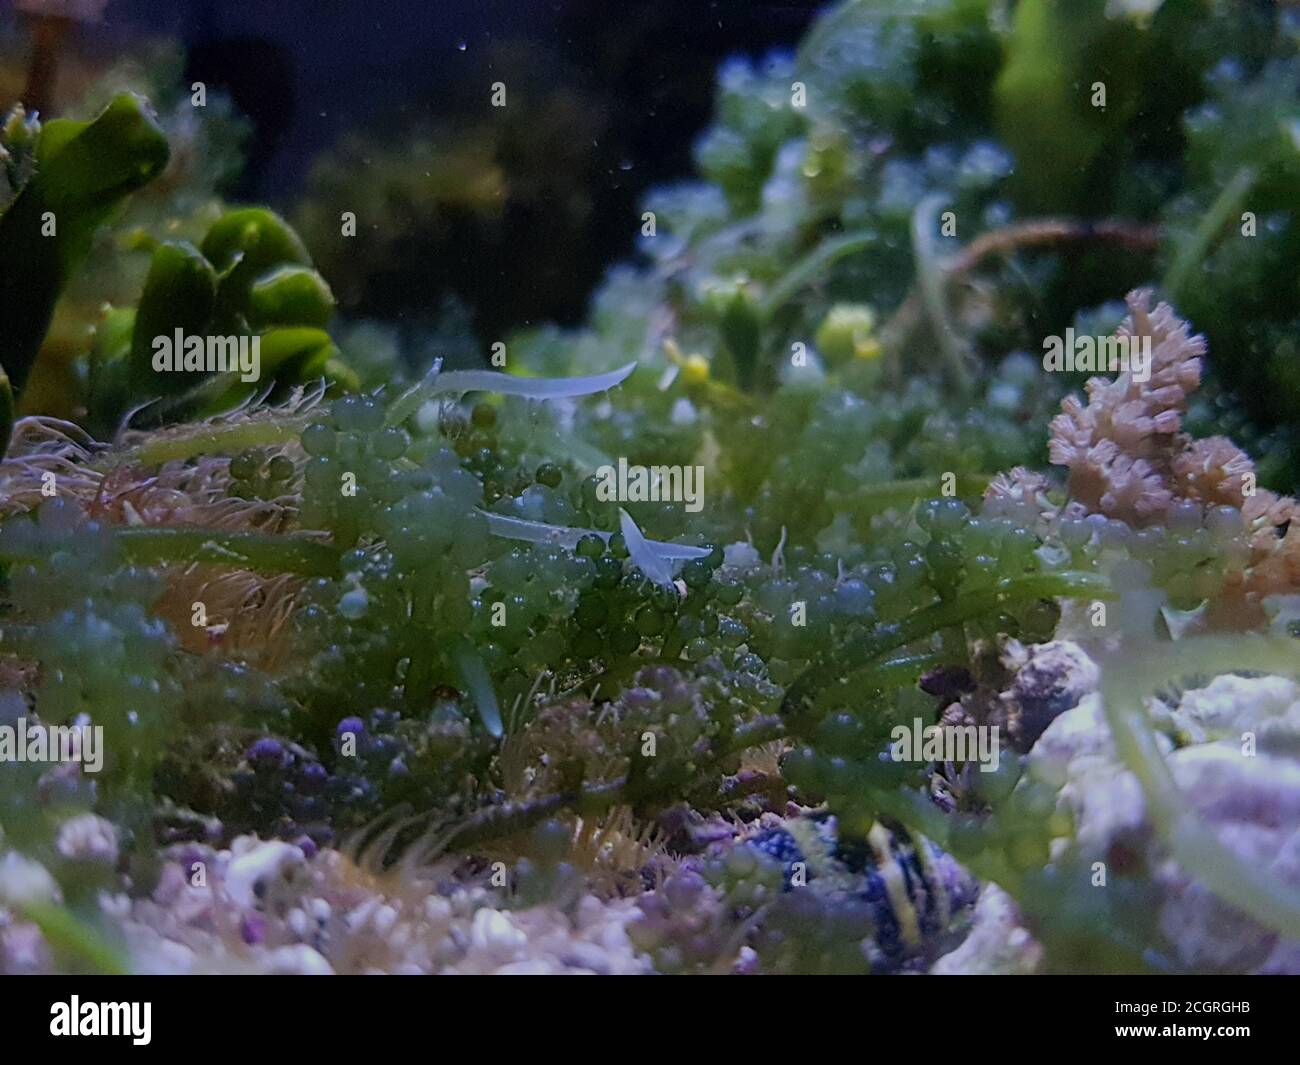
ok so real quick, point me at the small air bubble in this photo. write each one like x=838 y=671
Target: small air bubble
x=461 y=46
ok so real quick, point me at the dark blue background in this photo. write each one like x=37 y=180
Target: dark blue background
x=349 y=62
x=307 y=72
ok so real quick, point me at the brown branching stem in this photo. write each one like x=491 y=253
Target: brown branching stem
x=1035 y=233
x=796 y=711
x=597 y=798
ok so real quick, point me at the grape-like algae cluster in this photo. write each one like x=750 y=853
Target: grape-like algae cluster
x=381 y=660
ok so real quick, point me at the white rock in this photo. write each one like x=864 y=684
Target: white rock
x=115 y=904
x=1250 y=802
x=23 y=949
x=587 y=956
x=1230 y=705
x=361 y=915
x=997 y=944
x=1227 y=785
x=24 y=881
x=298 y=960
x=590 y=911
x=495 y=934
x=153 y=955
x=384 y=919
x=261 y=864
x=1108 y=806
x=1074 y=734
x=88 y=838
x=530 y=967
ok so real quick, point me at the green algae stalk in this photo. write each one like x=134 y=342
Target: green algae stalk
x=1125 y=682
x=246 y=550
x=85 y=170
x=74 y=939
x=800 y=697
x=180 y=292
x=193 y=441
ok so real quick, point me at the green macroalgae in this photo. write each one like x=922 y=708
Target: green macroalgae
x=353 y=630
